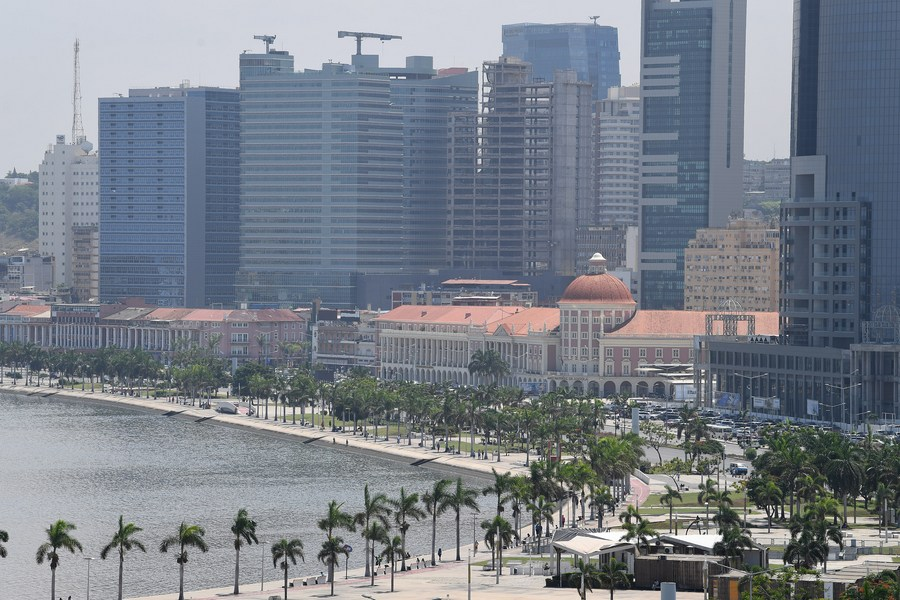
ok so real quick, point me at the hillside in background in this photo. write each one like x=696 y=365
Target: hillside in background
x=19 y=214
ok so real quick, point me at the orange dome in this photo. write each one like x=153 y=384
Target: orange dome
x=602 y=288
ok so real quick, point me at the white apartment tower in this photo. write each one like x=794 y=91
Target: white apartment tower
x=617 y=157
x=68 y=199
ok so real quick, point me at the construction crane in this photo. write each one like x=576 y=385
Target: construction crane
x=359 y=35
x=268 y=40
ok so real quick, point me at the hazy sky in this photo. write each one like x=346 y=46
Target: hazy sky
x=126 y=44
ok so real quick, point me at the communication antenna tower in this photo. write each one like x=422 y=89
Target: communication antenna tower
x=594 y=18
x=78 y=136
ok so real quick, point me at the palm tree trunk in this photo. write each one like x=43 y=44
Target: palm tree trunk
x=403 y=550
x=121 y=573
x=366 y=574
x=53 y=584
x=373 y=563
x=285 y=579
x=331 y=575
x=433 y=535
x=393 y=565
x=181 y=581
x=237 y=569
x=457 y=537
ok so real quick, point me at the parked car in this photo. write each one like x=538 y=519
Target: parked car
x=737 y=469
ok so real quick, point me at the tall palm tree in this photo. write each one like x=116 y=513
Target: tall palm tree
x=330 y=555
x=287 y=551
x=406 y=507
x=589 y=573
x=769 y=496
x=376 y=532
x=4 y=537
x=335 y=518
x=502 y=486
x=669 y=499
x=488 y=363
x=497 y=533
x=641 y=531
x=188 y=536
x=844 y=470
x=393 y=547
x=541 y=510
x=58 y=538
x=244 y=530
x=612 y=574
x=459 y=498
x=435 y=501
x=375 y=508
x=123 y=541
x=601 y=499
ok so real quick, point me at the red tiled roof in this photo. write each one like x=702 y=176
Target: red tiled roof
x=457 y=315
x=679 y=323
x=538 y=319
x=28 y=310
x=208 y=315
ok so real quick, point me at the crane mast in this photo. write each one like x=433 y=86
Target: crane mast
x=77 y=126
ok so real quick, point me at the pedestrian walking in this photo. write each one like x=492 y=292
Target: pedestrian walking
x=439 y=554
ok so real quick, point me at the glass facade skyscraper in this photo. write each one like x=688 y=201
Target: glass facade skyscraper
x=692 y=142
x=344 y=171
x=592 y=51
x=169 y=196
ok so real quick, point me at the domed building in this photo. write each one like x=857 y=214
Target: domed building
x=592 y=306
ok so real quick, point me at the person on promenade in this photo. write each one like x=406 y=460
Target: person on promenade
x=439 y=554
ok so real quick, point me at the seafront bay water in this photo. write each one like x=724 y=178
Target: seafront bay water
x=87 y=463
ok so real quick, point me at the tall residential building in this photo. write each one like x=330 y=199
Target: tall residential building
x=521 y=173
x=692 y=133
x=169 y=196
x=738 y=263
x=617 y=158
x=344 y=171
x=68 y=197
x=591 y=50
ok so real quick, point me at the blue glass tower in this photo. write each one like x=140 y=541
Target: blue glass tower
x=169 y=196
x=592 y=51
x=692 y=136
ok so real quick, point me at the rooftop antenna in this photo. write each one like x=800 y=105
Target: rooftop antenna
x=77 y=126
x=268 y=40
x=594 y=18
x=359 y=35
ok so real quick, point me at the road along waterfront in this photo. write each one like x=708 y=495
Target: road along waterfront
x=79 y=457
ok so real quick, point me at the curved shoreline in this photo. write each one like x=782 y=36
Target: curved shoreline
x=409 y=455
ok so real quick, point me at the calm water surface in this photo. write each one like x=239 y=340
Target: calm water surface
x=87 y=464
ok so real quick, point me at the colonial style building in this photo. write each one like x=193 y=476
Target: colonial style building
x=596 y=342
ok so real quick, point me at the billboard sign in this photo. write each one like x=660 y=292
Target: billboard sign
x=812 y=408
x=533 y=388
x=729 y=400
x=766 y=403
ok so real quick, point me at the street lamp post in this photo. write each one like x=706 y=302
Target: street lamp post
x=89 y=559
x=750 y=385
x=262 y=564
x=842 y=404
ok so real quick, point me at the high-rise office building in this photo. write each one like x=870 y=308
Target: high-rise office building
x=521 y=173
x=591 y=50
x=169 y=195
x=617 y=159
x=692 y=133
x=67 y=199
x=344 y=171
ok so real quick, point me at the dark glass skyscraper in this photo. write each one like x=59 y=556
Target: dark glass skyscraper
x=592 y=51
x=692 y=135
x=169 y=196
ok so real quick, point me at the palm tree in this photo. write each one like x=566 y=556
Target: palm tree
x=641 y=531
x=335 y=518
x=393 y=547
x=589 y=573
x=459 y=498
x=601 y=499
x=330 y=555
x=708 y=492
x=844 y=470
x=374 y=508
x=58 y=537
x=123 y=541
x=406 y=507
x=502 y=486
x=733 y=543
x=188 y=536
x=435 y=501
x=497 y=533
x=4 y=537
x=244 y=530
x=285 y=550
x=769 y=496
x=669 y=499
x=488 y=363
x=613 y=573
x=375 y=532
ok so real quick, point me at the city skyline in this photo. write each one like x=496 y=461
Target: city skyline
x=200 y=46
